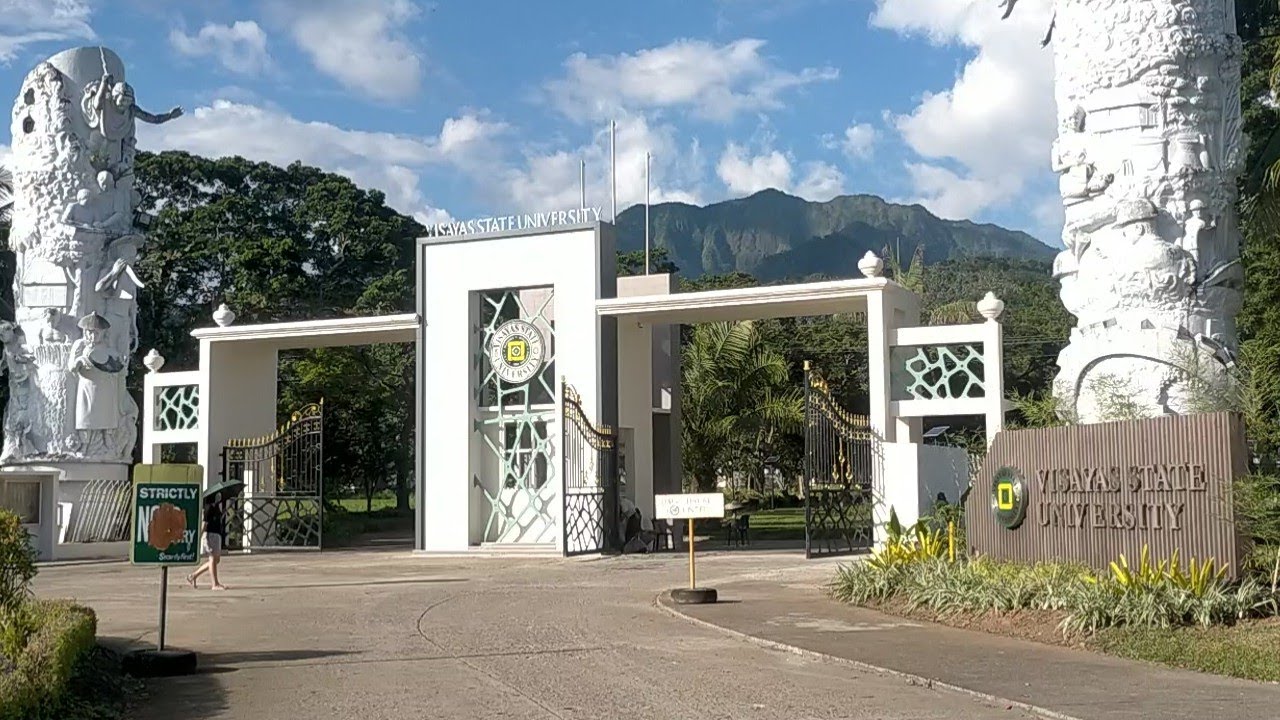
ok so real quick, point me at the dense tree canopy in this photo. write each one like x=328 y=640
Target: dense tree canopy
x=280 y=244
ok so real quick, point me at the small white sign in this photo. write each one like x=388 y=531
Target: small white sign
x=688 y=505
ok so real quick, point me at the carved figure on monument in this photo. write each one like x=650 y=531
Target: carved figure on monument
x=17 y=362
x=73 y=225
x=51 y=334
x=1149 y=149
x=97 y=395
x=119 y=288
x=110 y=111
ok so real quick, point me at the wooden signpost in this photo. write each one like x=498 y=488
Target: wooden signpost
x=690 y=506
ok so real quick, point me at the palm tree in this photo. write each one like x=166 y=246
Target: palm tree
x=737 y=392
x=913 y=278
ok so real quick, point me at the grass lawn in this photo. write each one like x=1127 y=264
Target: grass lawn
x=1248 y=650
x=778 y=524
x=347 y=527
x=380 y=502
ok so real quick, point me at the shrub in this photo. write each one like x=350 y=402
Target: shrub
x=17 y=562
x=1152 y=595
x=60 y=635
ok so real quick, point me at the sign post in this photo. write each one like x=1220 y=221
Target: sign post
x=165 y=532
x=690 y=506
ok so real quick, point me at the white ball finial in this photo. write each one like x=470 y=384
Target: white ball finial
x=990 y=306
x=223 y=315
x=871 y=265
x=153 y=361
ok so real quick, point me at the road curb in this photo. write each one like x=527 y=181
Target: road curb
x=912 y=678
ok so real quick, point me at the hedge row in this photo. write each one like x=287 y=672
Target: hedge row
x=35 y=683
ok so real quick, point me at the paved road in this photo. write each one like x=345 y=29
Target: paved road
x=373 y=635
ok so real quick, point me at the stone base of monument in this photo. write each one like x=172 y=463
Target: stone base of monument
x=159 y=663
x=693 y=596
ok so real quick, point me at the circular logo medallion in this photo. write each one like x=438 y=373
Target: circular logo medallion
x=1009 y=498
x=516 y=351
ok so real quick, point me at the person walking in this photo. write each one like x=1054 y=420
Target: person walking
x=211 y=544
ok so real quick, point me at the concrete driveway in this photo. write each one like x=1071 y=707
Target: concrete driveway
x=387 y=634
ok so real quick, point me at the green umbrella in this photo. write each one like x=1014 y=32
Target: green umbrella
x=224 y=491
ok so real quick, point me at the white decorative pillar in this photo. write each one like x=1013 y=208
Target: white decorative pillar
x=991 y=307
x=76 y=234
x=1149 y=148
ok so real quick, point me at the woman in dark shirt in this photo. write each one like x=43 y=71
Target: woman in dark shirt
x=211 y=544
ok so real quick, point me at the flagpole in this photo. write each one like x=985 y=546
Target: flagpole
x=646 y=213
x=613 y=168
x=582 y=179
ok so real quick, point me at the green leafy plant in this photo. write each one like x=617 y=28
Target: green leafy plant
x=904 y=546
x=61 y=635
x=17 y=561
x=1148 y=594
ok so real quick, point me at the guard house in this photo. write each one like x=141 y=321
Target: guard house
x=548 y=388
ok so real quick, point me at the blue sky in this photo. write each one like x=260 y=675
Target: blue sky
x=463 y=108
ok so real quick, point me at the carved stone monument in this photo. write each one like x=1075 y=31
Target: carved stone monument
x=76 y=234
x=1149 y=147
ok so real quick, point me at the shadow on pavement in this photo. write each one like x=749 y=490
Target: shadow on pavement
x=226 y=661
x=349 y=583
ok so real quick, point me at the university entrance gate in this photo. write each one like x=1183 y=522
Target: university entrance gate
x=591 y=504
x=839 y=457
x=281 y=503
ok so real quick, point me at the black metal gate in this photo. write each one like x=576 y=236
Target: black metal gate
x=590 y=481
x=839 y=456
x=282 y=504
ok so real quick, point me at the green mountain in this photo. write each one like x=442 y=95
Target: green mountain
x=777 y=236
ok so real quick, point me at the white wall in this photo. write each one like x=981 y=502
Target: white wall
x=917 y=473
x=568 y=259
x=243 y=376
x=943 y=469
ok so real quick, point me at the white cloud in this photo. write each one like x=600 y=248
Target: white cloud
x=550 y=179
x=241 y=47
x=953 y=196
x=744 y=174
x=996 y=122
x=389 y=162
x=360 y=43
x=26 y=22
x=820 y=182
x=715 y=81
x=857 y=143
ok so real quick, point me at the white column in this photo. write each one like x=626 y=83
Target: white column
x=878 y=363
x=635 y=408
x=991 y=308
x=237 y=397
x=149 y=448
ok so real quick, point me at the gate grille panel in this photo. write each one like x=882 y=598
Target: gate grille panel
x=590 y=481
x=839 y=457
x=282 y=504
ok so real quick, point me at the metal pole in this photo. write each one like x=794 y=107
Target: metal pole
x=693 y=576
x=809 y=448
x=646 y=213
x=164 y=596
x=613 y=168
x=582 y=180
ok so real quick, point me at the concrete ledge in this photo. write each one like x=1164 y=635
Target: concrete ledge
x=101 y=551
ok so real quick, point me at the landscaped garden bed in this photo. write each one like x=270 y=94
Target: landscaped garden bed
x=1181 y=612
x=50 y=664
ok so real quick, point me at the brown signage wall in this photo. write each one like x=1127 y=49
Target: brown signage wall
x=1092 y=492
